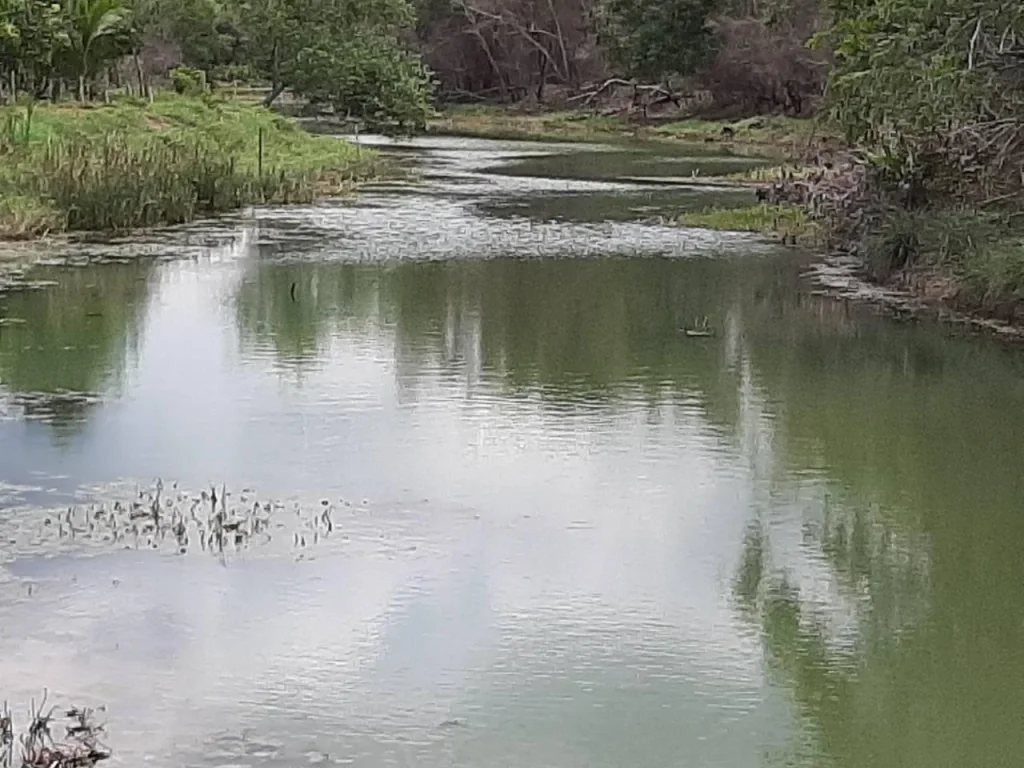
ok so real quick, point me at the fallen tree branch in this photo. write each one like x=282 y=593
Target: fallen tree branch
x=590 y=96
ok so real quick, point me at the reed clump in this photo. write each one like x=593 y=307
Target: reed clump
x=129 y=166
x=176 y=521
x=130 y=183
x=52 y=739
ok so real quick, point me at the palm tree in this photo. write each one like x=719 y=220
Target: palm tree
x=92 y=22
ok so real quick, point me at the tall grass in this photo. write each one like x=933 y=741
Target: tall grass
x=985 y=252
x=124 y=183
x=129 y=183
x=135 y=166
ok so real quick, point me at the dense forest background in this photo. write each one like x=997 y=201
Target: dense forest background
x=747 y=55
x=885 y=69
x=744 y=56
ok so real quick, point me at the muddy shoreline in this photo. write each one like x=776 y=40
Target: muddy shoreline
x=909 y=296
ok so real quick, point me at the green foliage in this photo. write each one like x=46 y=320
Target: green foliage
x=123 y=167
x=906 y=69
x=381 y=83
x=33 y=36
x=234 y=73
x=100 y=32
x=934 y=95
x=188 y=81
x=345 y=53
x=654 y=39
x=204 y=29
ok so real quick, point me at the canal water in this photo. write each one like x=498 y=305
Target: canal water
x=513 y=514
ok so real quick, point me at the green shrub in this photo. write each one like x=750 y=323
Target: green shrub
x=188 y=81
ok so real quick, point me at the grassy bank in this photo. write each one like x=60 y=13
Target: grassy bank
x=790 y=224
x=782 y=137
x=967 y=260
x=131 y=164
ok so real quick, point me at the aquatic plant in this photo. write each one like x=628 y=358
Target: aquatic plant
x=37 y=745
x=701 y=328
x=791 y=224
x=216 y=521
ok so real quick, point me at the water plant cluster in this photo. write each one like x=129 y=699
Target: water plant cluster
x=52 y=738
x=171 y=520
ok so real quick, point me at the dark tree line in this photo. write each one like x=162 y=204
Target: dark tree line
x=897 y=61
x=367 y=56
x=750 y=55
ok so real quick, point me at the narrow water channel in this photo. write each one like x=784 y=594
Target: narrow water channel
x=563 y=532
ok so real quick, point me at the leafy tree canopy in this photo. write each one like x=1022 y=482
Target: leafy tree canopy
x=343 y=52
x=654 y=39
x=906 y=68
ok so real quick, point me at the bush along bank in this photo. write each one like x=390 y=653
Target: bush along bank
x=131 y=164
x=932 y=98
x=931 y=235
x=942 y=251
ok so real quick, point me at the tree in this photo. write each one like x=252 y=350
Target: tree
x=33 y=35
x=654 y=39
x=377 y=81
x=198 y=27
x=99 y=32
x=345 y=52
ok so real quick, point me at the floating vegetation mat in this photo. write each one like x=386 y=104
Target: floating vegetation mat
x=170 y=520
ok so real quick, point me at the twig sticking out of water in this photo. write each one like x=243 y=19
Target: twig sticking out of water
x=701 y=328
x=6 y=737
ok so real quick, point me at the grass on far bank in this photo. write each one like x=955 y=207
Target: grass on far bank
x=132 y=164
x=789 y=224
x=774 y=136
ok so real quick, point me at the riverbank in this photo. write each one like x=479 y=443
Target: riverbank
x=782 y=138
x=131 y=164
x=965 y=262
x=793 y=143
